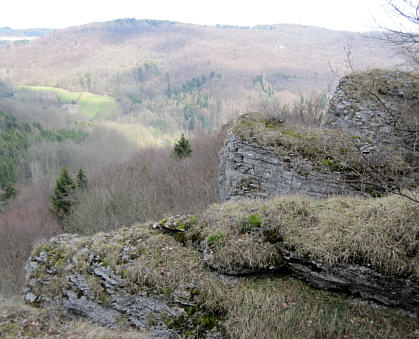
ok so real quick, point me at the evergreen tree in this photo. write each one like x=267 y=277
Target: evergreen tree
x=182 y=147
x=81 y=179
x=9 y=191
x=62 y=199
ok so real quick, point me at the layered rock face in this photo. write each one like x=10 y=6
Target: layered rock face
x=251 y=171
x=380 y=105
x=375 y=117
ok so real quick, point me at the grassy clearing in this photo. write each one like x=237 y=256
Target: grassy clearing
x=91 y=105
x=380 y=232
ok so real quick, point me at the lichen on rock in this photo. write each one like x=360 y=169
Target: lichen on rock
x=129 y=276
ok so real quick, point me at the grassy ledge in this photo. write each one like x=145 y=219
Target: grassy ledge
x=338 y=230
x=331 y=152
x=335 y=231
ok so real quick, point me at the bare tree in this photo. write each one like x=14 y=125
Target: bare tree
x=405 y=34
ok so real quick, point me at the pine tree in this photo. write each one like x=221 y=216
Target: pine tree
x=9 y=191
x=81 y=179
x=182 y=147
x=62 y=199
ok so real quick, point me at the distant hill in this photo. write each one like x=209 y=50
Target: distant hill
x=27 y=32
x=184 y=71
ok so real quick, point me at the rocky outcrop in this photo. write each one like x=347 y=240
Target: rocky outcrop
x=252 y=171
x=80 y=277
x=380 y=105
x=270 y=257
x=78 y=295
x=356 y=280
x=371 y=123
x=160 y=278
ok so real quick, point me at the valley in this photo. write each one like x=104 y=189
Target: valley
x=111 y=99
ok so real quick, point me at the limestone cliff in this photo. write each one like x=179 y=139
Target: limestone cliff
x=368 y=145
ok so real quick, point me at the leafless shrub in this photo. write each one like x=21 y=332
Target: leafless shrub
x=308 y=111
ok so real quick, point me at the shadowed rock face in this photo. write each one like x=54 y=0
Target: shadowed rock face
x=251 y=171
x=355 y=279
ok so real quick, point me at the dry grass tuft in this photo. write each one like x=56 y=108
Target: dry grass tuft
x=380 y=232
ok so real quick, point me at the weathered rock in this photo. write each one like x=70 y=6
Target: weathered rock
x=380 y=105
x=376 y=113
x=356 y=280
x=98 y=293
x=252 y=171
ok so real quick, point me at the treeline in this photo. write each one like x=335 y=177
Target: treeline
x=16 y=138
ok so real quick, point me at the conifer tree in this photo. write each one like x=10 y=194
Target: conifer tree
x=182 y=147
x=62 y=199
x=9 y=191
x=81 y=179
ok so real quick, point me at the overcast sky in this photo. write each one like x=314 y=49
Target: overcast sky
x=351 y=15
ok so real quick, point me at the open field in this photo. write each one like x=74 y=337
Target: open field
x=91 y=105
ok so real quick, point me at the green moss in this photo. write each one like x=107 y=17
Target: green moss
x=206 y=322
x=215 y=239
x=290 y=133
x=251 y=223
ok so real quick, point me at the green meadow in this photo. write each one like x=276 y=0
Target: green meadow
x=91 y=105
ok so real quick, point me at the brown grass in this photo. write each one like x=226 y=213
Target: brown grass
x=19 y=320
x=244 y=308
x=378 y=232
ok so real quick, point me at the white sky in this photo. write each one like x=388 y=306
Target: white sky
x=352 y=15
